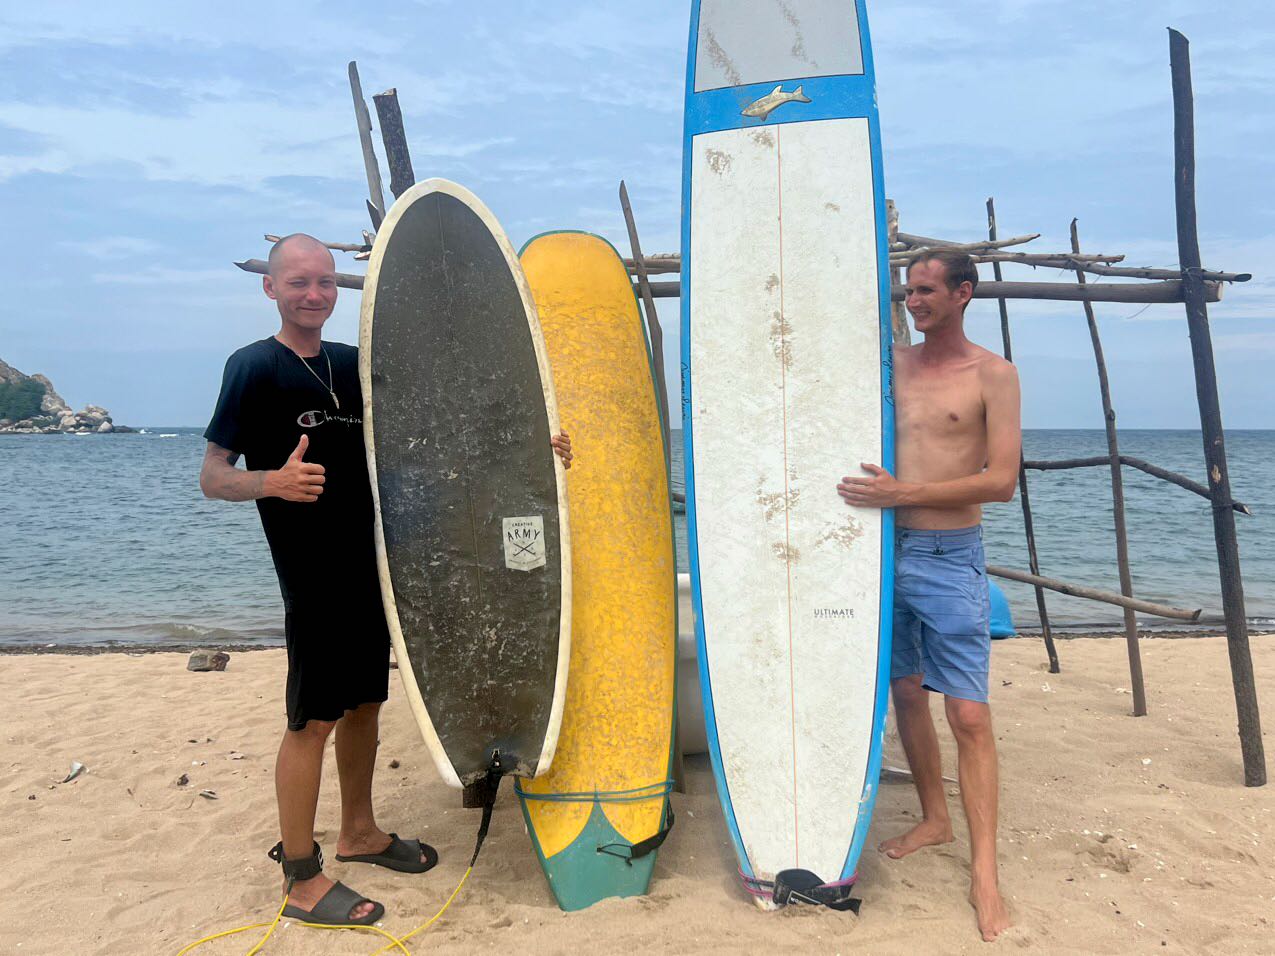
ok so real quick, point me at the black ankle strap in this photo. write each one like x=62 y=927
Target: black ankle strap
x=305 y=868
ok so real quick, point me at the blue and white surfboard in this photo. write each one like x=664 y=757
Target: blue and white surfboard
x=786 y=387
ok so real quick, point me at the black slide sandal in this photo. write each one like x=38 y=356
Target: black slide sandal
x=401 y=855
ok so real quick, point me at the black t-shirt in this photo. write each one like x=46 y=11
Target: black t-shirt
x=268 y=401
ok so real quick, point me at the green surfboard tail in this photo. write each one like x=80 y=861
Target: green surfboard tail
x=595 y=866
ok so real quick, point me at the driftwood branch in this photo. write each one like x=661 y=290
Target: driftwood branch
x=1138 y=293
x=1052 y=260
x=1133 y=272
x=1117 y=497
x=260 y=267
x=395 y=138
x=1096 y=594
x=660 y=264
x=1197 y=315
x=1101 y=266
x=916 y=242
x=338 y=246
x=1153 y=292
x=899 y=327
x=1093 y=263
x=1024 y=496
x=653 y=329
x=375 y=191
x=1170 y=476
x=970 y=247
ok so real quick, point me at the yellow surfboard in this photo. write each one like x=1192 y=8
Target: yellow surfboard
x=597 y=814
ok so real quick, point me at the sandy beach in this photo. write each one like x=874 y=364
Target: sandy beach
x=1118 y=834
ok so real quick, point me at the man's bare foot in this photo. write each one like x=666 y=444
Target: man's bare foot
x=307 y=893
x=989 y=909
x=925 y=833
x=370 y=841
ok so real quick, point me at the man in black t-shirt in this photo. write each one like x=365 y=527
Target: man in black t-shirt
x=290 y=405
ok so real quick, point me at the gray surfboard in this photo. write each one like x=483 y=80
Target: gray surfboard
x=471 y=517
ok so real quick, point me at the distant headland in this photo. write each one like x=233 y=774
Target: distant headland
x=29 y=405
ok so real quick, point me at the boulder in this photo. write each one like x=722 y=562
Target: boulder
x=93 y=414
x=208 y=660
x=52 y=403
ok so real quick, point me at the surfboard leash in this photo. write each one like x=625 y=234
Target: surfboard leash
x=802 y=886
x=624 y=851
x=486 y=791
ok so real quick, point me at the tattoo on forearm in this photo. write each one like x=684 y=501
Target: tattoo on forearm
x=222 y=480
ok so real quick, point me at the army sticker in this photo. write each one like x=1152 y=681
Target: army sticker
x=524 y=543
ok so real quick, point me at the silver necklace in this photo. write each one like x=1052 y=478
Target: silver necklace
x=330 y=382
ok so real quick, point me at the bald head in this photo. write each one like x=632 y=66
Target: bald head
x=297 y=242
x=302 y=282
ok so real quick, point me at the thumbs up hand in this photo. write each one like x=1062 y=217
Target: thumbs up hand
x=298 y=479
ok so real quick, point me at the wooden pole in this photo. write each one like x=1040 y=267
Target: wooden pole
x=986 y=290
x=652 y=317
x=1228 y=551
x=1117 y=500
x=335 y=246
x=898 y=314
x=657 y=360
x=1139 y=293
x=375 y=191
x=921 y=243
x=395 y=138
x=667 y=263
x=1154 y=470
x=656 y=265
x=344 y=280
x=1131 y=272
x=1130 y=604
x=1029 y=530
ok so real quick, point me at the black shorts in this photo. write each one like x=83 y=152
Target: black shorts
x=338 y=653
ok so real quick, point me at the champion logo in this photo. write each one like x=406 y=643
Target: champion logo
x=319 y=417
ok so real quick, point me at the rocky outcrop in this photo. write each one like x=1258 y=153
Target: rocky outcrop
x=53 y=403
x=33 y=407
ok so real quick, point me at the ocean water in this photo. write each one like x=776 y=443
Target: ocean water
x=106 y=539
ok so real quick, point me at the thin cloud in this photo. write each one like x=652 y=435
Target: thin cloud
x=161 y=276
x=113 y=247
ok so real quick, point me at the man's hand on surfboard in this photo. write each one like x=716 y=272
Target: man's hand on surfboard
x=562 y=445
x=882 y=490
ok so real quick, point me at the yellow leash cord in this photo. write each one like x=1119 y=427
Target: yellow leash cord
x=394 y=941
x=429 y=922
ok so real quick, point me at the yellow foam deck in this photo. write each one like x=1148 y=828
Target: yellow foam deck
x=617 y=724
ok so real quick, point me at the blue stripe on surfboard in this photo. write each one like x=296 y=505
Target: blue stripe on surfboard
x=836 y=97
x=832 y=97
x=885 y=637
x=688 y=440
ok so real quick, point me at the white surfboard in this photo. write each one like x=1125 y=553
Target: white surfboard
x=786 y=345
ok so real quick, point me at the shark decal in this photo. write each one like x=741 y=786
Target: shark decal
x=776 y=98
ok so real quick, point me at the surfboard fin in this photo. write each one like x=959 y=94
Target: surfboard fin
x=802 y=886
x=482 y=793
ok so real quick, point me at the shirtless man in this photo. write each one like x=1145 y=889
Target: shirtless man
x=959 y=445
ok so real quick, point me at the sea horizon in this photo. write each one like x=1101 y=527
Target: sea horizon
x=146 y=561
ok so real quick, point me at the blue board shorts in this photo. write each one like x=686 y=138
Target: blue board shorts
x=942 y=611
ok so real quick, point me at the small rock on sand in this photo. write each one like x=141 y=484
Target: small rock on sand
x=208 y=661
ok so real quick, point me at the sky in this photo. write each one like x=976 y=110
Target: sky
x=145 y=146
